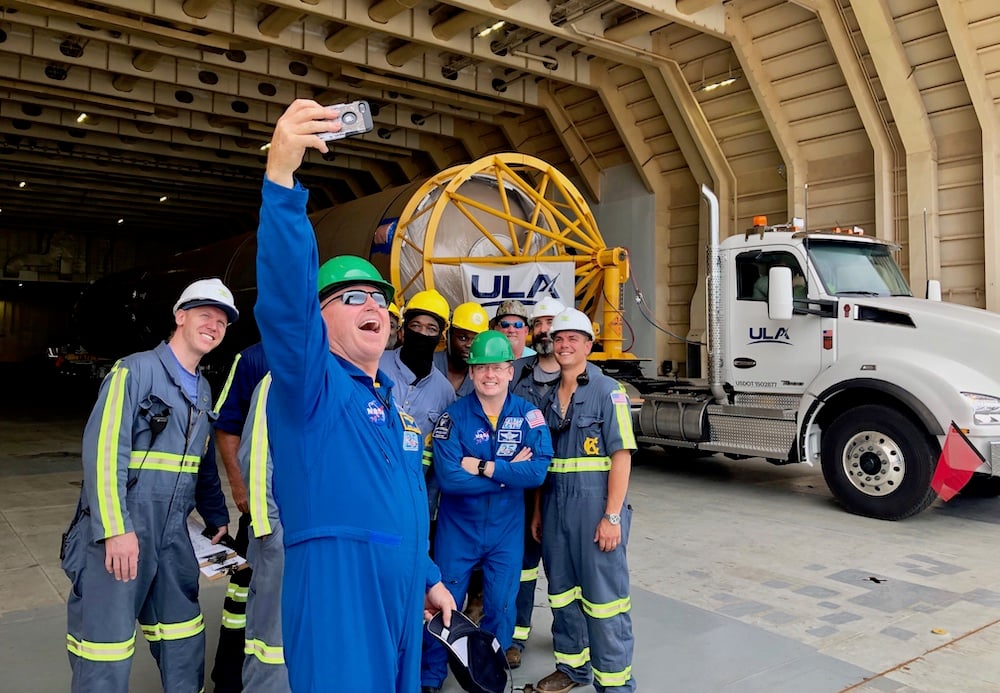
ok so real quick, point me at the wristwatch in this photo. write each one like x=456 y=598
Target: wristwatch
x=482 y=468
x=613 y=518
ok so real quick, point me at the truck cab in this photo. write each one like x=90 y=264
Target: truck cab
x=824 y=356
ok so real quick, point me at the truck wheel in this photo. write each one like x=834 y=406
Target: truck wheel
x=879 y=463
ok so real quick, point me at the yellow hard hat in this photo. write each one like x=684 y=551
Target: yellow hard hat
x=394 y=310
x=470 y=316
x=431 y=302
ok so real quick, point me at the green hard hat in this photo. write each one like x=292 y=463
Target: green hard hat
x=345 y=270
x=490 y=347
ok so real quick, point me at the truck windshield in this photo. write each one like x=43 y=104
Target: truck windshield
x=860 y=269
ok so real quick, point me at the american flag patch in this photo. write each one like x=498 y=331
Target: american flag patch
x=619 y=397
x=535 y=418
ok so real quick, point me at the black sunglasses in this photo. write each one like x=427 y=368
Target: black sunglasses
x=516 y=324
x=358 y=297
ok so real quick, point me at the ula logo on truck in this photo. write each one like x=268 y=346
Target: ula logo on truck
x=759 y=335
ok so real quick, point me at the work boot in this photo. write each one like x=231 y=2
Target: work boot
x=513 y=657
x=556 y=682
x=474 y=609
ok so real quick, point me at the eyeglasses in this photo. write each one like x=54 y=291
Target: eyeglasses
x=358 y=297
x=516 y=324
x=491 y=367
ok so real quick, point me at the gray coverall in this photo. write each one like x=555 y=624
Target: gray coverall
x=588 y=588
x=264 y=667
x=134 y=481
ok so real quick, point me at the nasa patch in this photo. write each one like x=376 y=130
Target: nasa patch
x=376 y=412
x=442 y=429
x=482 y=435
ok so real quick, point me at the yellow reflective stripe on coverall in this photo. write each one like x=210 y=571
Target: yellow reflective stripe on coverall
x=623 y=413
x=237 y=593
x=558 y=601
x=229 y=383
x=108 y=500
x=566 y=465
x=173 y=631
x=268 y=654
x=573 y=660
x=612 y=678
x=164 y=461
x=258 y=464
x=618 y=606
x=101 y=651
x=233 y=621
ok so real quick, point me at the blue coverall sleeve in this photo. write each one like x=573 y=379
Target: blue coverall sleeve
x=529 y=474
x=107 y=450
x=287 y=310
x=208 y=496
x=447 y=466
x=433 y=573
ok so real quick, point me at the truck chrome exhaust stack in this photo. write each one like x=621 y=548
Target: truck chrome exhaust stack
x=714 y=298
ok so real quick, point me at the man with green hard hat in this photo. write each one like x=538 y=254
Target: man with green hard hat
x=347 y=461
x=488 y=447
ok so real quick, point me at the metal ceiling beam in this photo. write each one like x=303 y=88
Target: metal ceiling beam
x=636 y=27
x=877 y=129
x=956 y=20
x=642 y=155
x=583 y=159
x=198 y=9
x=910 y=115
x=277 y=20
x=118 y=22
x=709 y=19
x=796 y=167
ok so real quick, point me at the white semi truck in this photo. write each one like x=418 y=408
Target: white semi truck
x=819 y=353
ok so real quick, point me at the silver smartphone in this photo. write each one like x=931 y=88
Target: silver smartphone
x=355 y=119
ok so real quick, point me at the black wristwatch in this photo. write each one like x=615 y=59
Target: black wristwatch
x=482 y=468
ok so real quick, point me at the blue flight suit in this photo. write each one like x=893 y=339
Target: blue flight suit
x=135 y=481
x=533 y=384
x=264 y=667
x=481 y=520
x=588 y=588
x=348 y=482
x=233 y=407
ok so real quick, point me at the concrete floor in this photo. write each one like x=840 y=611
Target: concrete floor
x=746 y=577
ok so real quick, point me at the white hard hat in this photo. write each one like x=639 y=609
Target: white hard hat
x=208 y=292
x=572 y=319
x=546 y=308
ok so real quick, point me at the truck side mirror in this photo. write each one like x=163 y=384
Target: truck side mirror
x=933 y=290
x=779 y=293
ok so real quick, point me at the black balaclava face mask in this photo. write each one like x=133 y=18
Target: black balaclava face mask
x=417 y=351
